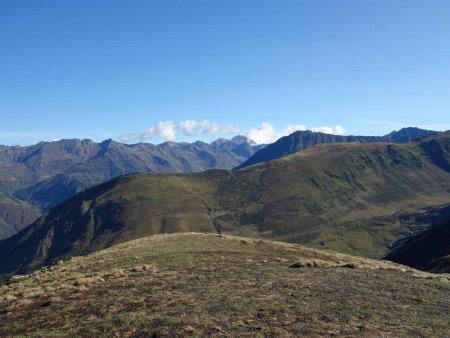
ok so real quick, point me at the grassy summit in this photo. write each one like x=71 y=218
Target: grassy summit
x=200 y=284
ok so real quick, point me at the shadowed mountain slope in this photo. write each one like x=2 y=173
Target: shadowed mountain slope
x=300 y=140
x=429 y=250
x=203 y=285
x=15 y=215
x=327 y=196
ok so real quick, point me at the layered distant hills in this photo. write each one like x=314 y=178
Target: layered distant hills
x=43 y=175
x=99 y=162
x=350 y=197
x=300 y=140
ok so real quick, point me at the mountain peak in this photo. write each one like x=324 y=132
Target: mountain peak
x=409 y=134
x=239 y=139
x=219 y=141
x=109 y=143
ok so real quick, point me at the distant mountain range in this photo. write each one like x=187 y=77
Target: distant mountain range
x=38 y=177
x=300 y=140
x=330 y=196
x=45 y=174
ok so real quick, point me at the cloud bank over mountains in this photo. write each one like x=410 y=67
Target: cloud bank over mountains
x=264 y=133
x=168 y=130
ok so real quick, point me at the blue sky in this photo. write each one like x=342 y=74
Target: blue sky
x=185 y=70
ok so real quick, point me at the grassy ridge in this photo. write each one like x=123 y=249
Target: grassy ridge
x=201 y=285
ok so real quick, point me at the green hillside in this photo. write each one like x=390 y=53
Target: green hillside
x=48 y=173
x=330 y=196
x=43 y=175
x=301 y=140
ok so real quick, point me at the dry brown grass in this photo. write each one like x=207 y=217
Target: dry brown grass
x=203 y=285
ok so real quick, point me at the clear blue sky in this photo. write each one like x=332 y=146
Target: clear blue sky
x=108 y=68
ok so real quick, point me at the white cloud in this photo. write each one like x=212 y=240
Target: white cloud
x=205 y=127
x=290 y=128
x=190 y=127
x=164 y=130
x=168 y=130
x=266 y=133
x=336 y=130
